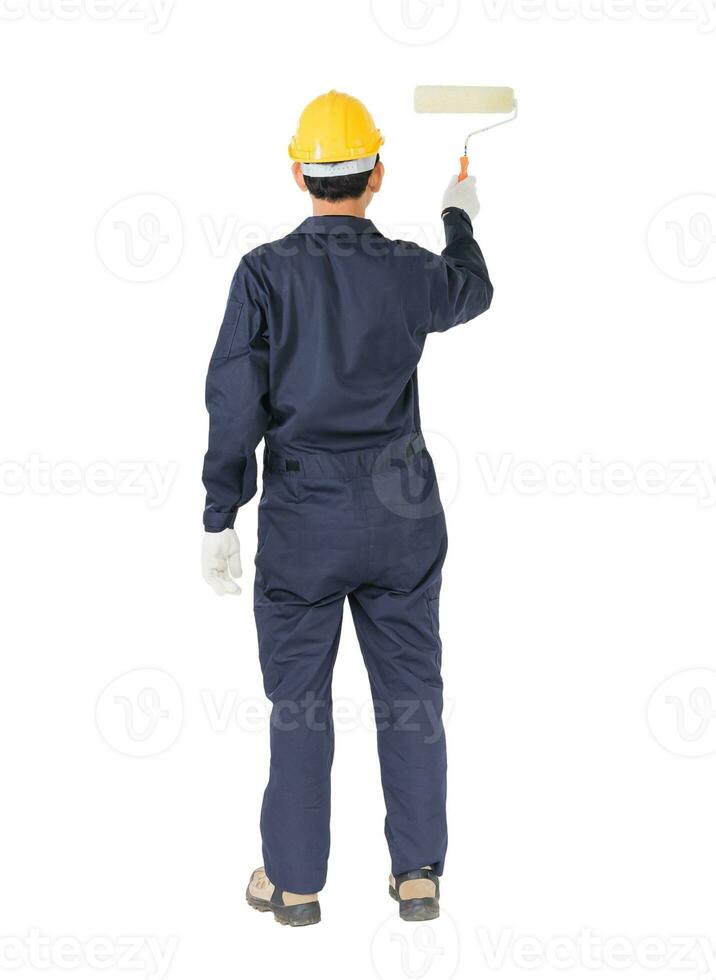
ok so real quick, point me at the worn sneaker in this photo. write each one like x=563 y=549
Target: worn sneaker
x=417 y=894
x=288 y=909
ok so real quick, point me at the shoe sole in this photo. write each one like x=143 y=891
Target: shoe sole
x=416 y=909
x=307 y=914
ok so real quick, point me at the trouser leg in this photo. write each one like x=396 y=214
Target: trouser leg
x=399 y=637
x=298 y=642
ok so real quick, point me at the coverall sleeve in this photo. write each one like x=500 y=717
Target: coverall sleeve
x=237 y=399
x=460 y=287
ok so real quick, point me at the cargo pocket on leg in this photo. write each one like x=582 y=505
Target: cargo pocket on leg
x=434 y=615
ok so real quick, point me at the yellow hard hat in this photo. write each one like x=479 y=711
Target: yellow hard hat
x=335 y=126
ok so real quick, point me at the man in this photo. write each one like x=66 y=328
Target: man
x=317 y=354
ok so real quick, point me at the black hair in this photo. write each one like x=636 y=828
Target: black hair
x=339 y=188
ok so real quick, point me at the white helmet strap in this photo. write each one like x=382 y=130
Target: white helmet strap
x=340 y=169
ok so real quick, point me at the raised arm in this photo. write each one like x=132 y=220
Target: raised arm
x=460 y=287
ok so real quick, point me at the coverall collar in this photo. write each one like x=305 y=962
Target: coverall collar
x=336 y=224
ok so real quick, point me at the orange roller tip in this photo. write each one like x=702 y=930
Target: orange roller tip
x=463 y=168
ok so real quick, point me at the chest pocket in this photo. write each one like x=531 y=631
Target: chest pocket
x=230 y=341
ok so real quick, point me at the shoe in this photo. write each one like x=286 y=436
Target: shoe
x=417 y=894
x=288 y=909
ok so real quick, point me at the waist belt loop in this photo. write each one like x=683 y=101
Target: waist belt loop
x=292 y=466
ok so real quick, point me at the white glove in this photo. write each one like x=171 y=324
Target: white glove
x=463 y=195
x=220 y=560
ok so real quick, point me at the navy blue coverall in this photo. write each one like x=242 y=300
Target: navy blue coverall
x=317 y=354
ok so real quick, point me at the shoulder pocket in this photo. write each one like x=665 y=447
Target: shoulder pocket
x=229 y=327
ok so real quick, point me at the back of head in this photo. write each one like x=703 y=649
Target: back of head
x=336 y=147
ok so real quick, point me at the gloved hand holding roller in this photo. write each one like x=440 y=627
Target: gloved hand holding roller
x=462 y=194
x=317 y=355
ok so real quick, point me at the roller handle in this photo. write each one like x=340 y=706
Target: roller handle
x=463 y=168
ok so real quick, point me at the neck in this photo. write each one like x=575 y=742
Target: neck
x=354 y=208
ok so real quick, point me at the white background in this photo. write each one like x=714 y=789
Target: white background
x=577 y=801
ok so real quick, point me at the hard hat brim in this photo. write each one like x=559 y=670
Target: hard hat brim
x=350 y=153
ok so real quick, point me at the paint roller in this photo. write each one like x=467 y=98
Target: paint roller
x=467 y=99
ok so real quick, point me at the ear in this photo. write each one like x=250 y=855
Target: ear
x=298 y=176
x=376 y=177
